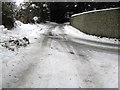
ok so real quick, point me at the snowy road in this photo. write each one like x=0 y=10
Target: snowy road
x=53 y=60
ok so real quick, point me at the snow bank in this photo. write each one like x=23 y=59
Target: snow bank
x=22 y=30
x=76 y=33
x=53 y=23
x=1 y=27
x=18 y=23
x=4 y=33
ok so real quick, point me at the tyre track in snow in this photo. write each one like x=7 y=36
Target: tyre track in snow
x=25 y=79
x=51 y=76
x=90 y=77
x=82 y=55
x=21 y=74
x=58 y=63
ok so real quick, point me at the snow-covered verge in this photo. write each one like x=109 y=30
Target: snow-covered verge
x=11 y=41
x=21 y=30
x=51 y=61
x=76 y=33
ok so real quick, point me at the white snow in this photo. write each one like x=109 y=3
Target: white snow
x=34 y=6
x=18 y=2
x=93 y=11
x=44 y=5
x=2 y=27
x=76 y=33
x=51 y=60
x=75 y=5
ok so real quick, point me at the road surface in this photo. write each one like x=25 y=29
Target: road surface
x=55 y=61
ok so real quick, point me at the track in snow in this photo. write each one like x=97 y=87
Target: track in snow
x=54 y=61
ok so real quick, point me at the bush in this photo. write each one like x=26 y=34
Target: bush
x=8 y=14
